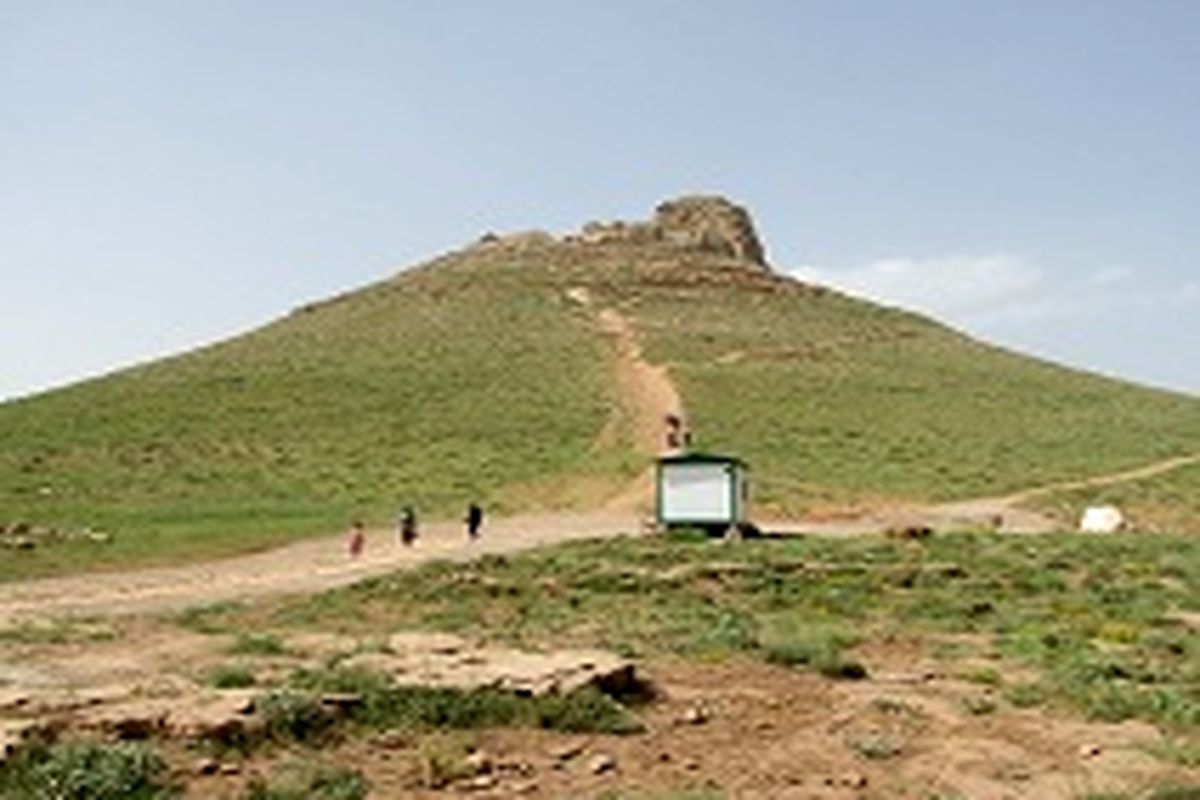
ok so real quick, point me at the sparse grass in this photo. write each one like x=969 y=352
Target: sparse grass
x=875 y=746
x=258 y=644
x=309 y=782
x=1175 y=792
x=231 y=676
x=57 y=631
x=211 y=618
x=699 y=793
x=86 y=771
x=385 y=705
x=984 y=676
x=1183 y=752
x=296 y=716
x=817 y=648
x=979 y=705
x=1094 y=616
x=1027 y=695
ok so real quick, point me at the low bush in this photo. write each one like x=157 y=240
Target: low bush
x=258 y=644
x=231 y=676
x=86 y=771
x=383 y=704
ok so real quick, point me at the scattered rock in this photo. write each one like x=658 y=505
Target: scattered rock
x=13 y=734
x=341 y=702
x=1102 y=519
x=442 y=660
x=516 y=767
x=851 y=780
x=391 y=740
x=1089 y=750
x=206 y=766
x=14 y=699
x=479 y=783
x=568 y=751
x=601 y=763
x=231 y=769
x=478 y=763
x=912 y=532
x=523 y=787
x=695 y=715
x=135 y=719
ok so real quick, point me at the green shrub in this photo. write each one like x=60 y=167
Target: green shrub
x=208 y=618
x=258 y=644
x=383 y=704
x=818 y=649
x=231 y=676
x=295 y=715
x=86 y=771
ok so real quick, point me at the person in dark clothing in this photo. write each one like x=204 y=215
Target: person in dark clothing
x=474 y=521
x=408 y=526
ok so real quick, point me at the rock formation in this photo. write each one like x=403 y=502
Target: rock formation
x=712 y=224
x=703 y=223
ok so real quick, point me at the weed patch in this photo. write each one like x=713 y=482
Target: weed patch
x=86 y=771
x=384 y=705
x=320 y=782
x=231 y=676
x=258 y=644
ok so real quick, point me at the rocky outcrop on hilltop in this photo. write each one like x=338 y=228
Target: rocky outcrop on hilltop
x=704 y=224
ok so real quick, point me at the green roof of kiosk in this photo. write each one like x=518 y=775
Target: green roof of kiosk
x=700 y=458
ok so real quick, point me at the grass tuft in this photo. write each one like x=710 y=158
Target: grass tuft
x=81 y=770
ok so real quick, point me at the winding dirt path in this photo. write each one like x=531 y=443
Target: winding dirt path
x=1004 y=512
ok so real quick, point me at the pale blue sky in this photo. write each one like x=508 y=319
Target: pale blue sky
x=175 y=172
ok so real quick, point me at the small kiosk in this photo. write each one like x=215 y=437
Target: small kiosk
x=702 y=490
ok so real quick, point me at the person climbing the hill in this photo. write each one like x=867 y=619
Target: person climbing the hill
x=674 y=429
x=474 y=521
x=357 y=540
x=406 y=528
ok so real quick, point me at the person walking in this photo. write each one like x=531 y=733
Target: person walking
x=357 y=540
x=407 y=527
x=474 y=521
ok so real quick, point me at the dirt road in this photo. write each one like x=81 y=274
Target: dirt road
x=307 y=566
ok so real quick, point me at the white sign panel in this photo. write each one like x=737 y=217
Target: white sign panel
x=697 y=493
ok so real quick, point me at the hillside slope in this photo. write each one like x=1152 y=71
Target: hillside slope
x=484 y=375
x=432 y=389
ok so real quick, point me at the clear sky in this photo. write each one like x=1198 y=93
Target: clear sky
x=175 y=172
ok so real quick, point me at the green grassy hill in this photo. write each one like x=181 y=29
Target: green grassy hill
x=478 y=376
x=439 y=387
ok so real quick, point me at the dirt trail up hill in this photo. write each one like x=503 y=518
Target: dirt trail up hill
x=648 y=396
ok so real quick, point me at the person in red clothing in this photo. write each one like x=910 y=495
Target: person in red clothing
x=357 y=541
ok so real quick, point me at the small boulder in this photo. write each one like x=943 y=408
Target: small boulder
x=1102 y=519
x=601 y=763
